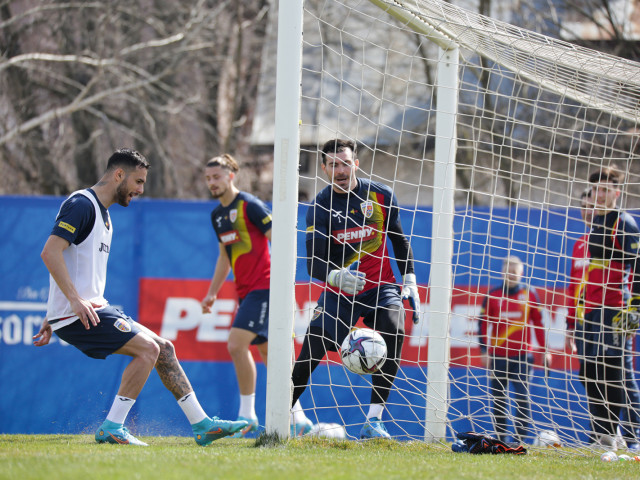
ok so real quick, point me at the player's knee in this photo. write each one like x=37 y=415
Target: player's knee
x=148 y=351
x=166 y=348
x=236 y=349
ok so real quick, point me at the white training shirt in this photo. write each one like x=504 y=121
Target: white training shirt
x=87 y=266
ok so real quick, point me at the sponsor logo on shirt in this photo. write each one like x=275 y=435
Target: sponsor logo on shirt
x=354 y=234
x=103 y=247
x=67 y=227
x=227 y=238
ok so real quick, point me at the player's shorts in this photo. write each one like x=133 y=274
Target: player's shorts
x=253 y=315
x=601 y=337
x=381 y=309
x=114 y=330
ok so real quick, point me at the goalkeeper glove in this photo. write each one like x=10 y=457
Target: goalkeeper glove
x=348 y=281
x=410 y=292
x=629 y=319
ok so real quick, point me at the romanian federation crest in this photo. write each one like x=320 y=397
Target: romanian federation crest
x=233 y=214
x=367 y=208
x=122 y=325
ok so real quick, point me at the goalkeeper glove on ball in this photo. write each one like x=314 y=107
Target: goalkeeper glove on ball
x=348 y=281
x=410 y=292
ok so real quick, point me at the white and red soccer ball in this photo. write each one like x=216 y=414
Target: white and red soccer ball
x=363 y=351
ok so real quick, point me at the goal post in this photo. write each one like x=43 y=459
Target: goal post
x=486 y=133
x=441 y=281
x=282 y=302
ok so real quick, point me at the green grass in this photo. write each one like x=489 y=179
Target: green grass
x=78 y=456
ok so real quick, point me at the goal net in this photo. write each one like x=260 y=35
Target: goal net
x=486 y=133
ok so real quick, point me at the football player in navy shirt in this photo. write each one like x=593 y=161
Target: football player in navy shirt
x=243 y=226
x=347 y=226
x=611 y=303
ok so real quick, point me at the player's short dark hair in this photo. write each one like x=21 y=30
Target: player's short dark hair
x=127 y=159
x=585 y=194
x=336 y=146
x=225 y=161
x=606 y=174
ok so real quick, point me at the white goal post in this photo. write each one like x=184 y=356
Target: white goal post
x=486 y=133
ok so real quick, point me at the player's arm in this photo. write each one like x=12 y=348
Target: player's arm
x=401 y=248
x=223 y=267
x=319 y=264
x=43 y=336
x=260 y=216
x=316 y=241
x=54 y=261
x=629 y=238
x=404 y=258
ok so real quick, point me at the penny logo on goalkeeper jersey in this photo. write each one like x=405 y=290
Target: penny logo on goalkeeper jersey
x=356 y=234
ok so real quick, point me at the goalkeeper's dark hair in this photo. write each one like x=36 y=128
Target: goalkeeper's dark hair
x=586 y=193
x=225 y=161
x=336 y=146
x=127 y=159
x=607 y=174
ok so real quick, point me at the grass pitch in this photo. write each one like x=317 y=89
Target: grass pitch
x=54 y=457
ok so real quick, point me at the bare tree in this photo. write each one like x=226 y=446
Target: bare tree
x=175 y=80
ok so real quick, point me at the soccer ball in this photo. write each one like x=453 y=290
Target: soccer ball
x=547 y=438
x=363 y=351
x=328 y=430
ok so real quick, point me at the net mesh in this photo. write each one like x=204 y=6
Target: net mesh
x=535 y=116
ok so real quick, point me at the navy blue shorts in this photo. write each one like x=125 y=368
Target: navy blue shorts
x=253 y=315
x=114 y=330
x=336 y=314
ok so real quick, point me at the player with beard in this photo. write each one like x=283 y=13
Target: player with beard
x=243 y=226
x=611 y=304
x=76 y=255
x=348 y=225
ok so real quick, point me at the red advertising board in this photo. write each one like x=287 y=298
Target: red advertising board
x=171 y=308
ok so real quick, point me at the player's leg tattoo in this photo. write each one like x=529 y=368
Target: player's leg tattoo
x=170 y=370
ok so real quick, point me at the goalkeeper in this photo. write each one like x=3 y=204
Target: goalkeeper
x=348 y=225
x=611 y=307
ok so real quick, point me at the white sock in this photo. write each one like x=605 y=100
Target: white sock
x=247 y=406
x=120 y=409
x=191 y=408
x=375 y=410
x=297 y=414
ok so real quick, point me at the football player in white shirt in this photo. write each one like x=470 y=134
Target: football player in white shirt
x=76 y=255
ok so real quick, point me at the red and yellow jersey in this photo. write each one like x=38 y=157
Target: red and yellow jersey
x=506 y=318
x=241 y=228
x=352 y=227
x=614 y=243
x=575 y=291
